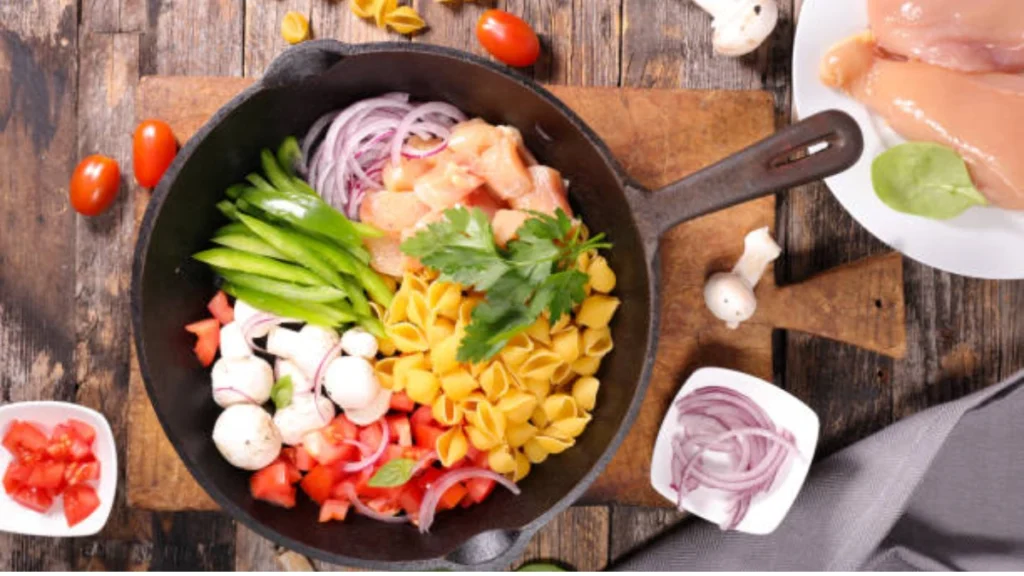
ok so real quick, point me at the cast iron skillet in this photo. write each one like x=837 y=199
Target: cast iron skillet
x=169 y=290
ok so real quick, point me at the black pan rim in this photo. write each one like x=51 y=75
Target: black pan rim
x=160 y=196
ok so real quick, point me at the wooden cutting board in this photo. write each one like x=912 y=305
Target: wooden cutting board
x=659 y=136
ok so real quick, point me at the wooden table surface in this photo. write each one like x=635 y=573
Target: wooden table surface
x=68 y=69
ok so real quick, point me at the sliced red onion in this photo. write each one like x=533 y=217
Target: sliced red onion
x=234 y=390
x=421 y=111
x=372 y=458
x=424 y=462
x=321 y=368
x=257 y=321
x=717 y=419
x=428 y=508
x=361 y=446
x=365 y=510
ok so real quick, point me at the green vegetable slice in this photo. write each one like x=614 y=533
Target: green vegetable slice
x=285 y=242
x=286 y=290
x=311 y=312
x=393 y=473
x=230 y=259
x=924 y=179
x=248 y=243
x=289 y=154
x=281 y=393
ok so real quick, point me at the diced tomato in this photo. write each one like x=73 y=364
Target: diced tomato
x=410 y=499
x=321 y=445
x=383 y=505
x=466 y=502
x=79 y=502
x=221 y=309
x=81 y=472
x=451 y=496
x=343 y=429
x=477 y=457
x=67 y=444
x=334 y=510
x=303 y=461
x=24 y=440
x=372 y=436
x=401 y=431
x=422 y=415
x=426 y=435
x=479 y=489
x=46 y=475
x=84 y=431
x=416 y=453
x=16 y=475
x=318 y=483
x=33 y=498
x=208 y=340
x=391 y=452
x=401 y=402
x=272 y=484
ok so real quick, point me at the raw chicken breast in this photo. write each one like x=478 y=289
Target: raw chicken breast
x=402 y=178
x=548 y=193
x=392 y=211
x=503 y=169
x=979 y=115
x=968 y=35
x=446 y=184
x=481 y=198
x=386 y=255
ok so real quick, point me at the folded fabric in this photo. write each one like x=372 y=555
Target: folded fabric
x=941 y=490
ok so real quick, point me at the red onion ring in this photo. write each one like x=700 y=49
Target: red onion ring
x=258 y=321
x=361 y=446
x=236 y=391
x=321 y=368
x=717 y=419
x=428 y=508
x=372 y=458
x=424 y=461
x=365 y=510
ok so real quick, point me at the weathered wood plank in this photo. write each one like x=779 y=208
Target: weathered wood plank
x=193 y=541
x=38 y=89
x=577 y=538
x=194 y=37
x=263 y=41
x=633 y=526
x=117 y=15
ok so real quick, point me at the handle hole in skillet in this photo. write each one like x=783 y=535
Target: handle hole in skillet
x=801 y=153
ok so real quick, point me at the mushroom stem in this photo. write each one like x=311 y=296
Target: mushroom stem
x=759 y=250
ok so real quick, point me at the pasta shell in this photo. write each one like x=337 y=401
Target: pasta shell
x=517 y=351
x=501 y=460
x=362 y=8
x=414 y=283
x=444 y=298
x=472 y=401
x=559 y=407
x=417 y=310
x=386 y=346
x=534 y=451
x=438 y=329
x=519 y=434
x=405 y=20
x=518 y=406
x=422 y=386
x=495 y=380
x=481 y=439
x=446 y=411
x=567 y=344
x=458 y=385
x=584 y=391
x=488 y=418
x=539 y=418
x=540 y=365
x=563 y=375
x=586 y=365
x=466 y=309
x=563 y=323
x=597 y=341
x=522 y=466
x=597 y=311
x=602 y=279
x=451 y=446
x=539 y=388
x=397 y=312
x=385 y=370
x=444 y=353
x=540 y=331
x=552 y=445
x=408 y=337
x=568 y=428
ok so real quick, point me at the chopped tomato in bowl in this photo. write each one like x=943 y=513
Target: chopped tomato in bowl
x=59 y=467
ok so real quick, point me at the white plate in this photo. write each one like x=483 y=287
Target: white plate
x=983 y=242
x=13 y=517
x=766 y=509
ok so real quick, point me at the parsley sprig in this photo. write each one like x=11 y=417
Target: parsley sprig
x=534 y=273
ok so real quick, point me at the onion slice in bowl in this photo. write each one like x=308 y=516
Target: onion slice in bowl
x=365 y=510
x=428 y=508
x=752 y=449
x=372 y=458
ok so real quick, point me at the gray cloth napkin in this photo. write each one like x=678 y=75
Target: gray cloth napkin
x=941 y=490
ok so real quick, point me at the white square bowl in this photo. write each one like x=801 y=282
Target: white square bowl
x=17 y=519
x=766 y=509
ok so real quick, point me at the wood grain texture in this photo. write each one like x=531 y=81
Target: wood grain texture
x=38 y=92
x=576 y=538
x=633 y=526
x=194 y=37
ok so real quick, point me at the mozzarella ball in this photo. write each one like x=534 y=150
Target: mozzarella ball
x=246 y=437
x=319 y=337
x=283 y=342
x=359 y=342
x=302 y=416
x=372 y=412
x=351 y=382
x=300 y=383
x=232 y=342
x=244 y=312
x=241 y=381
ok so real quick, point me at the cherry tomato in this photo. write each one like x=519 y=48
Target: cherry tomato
x=153 y=149
x=94 y=184
x=508 y=38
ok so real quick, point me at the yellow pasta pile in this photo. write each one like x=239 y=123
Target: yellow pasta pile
x=531 y=400
x=401 y=19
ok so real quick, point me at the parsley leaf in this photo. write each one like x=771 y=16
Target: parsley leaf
x=535 y=273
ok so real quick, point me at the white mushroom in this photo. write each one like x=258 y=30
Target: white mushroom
x=373 y=412
x=232 y=342
x=300 y=383
x=246 y=437
x=241 y=381
x=303 y=415
x=351 y=382
x=730 y=295
x=244 y=312
x=306 y=348
x=740 y=26
x=359 y=342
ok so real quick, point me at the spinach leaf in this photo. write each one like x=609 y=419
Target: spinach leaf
x=924 y=179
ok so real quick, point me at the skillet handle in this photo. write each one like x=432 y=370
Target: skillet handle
x=305 y=60
x=778 y=162
x=492 y=550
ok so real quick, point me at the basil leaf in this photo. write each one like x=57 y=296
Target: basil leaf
x=281 y=393
x=392 y=474
x=924 y=179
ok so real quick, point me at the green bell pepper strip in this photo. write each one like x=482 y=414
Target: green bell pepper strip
x=289 y=154
x=307 y=213
x=367 y=231
x=285 y=290
x=356 y=295
x=248 y=243
x=286 y=243
x=301 y=185
x=230 y=259
x=234 y=191
x=278 y=178
x=311 y=312
x=374 y=285
x=227 y=208
x=373 y=326
x=233 y=228
x=349 y=264
x=259 y=183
